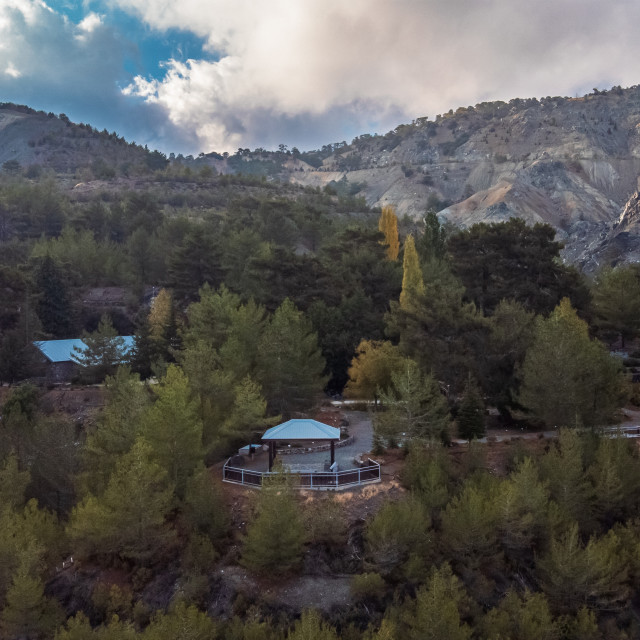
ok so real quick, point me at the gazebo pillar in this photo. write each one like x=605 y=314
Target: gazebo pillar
x=270 y=455
x=333 y=452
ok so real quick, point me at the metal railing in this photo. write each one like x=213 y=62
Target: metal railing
x=315 y=480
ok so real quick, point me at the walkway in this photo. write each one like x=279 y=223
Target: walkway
x=360 y=428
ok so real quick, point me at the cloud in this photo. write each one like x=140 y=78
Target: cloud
x=53 y=64
x=304 y=73
x=286 y=61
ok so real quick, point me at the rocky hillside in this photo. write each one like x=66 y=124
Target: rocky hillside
x=570 y=162
x=34 y=140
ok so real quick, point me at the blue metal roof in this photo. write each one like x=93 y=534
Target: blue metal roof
x=63 y=350
x=302 y=429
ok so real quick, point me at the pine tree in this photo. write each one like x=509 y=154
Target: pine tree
x=412 y=281
x=471 y=423
x=312 y=627
x=247 y=417
x=388 y=225
x=567 y=378
x=436 y=612
x=616 y=301
x=275 y=536
x=117 y=427
x=563 y=471
x=413 y=406
x=28 y=613
x=129 y=519
x=173 y=428
x=104 y=350
x=290 y=365
x=53 y=306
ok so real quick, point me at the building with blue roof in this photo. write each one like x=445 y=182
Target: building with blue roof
x=61 y=356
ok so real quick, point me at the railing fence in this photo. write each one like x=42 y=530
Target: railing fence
x=367 y=474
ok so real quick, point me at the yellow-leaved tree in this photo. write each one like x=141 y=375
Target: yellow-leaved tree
x=388 y=225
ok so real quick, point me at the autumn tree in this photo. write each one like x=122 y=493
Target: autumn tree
x=388 y=225
x=567 y=378
x=162 y=327
x=371 y=369
x=412 y=282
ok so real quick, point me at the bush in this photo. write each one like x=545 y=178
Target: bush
x=367 y=586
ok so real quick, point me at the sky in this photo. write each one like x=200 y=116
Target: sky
x=192 y=76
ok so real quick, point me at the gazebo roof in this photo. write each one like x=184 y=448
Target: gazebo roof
x=303 y=429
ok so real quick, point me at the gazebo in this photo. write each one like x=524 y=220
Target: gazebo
x=300 y=430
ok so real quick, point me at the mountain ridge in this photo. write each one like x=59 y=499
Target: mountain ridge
x=573 y=163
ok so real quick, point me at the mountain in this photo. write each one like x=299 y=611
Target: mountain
x=37 y=139
x=570 y=162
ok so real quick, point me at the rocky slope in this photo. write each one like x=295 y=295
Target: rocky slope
x=570 y=162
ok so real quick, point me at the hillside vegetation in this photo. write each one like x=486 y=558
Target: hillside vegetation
x=251 y=298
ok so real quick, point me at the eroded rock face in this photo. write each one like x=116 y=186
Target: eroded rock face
x=618 y=243
x=570 y=162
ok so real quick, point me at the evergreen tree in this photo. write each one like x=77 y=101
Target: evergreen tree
x=413 y=406
x=398 y=531
x=143 y=353
x=567 y=378
x=117 y=427
x=290 y=365
x=436 y=612
x=573 y=575
x=247 y=420
x=275 y=536
x=563 y=471
x=28 y=613
x=432 y=243
x=388 y=225
x=469 y=524
x=470 y=418
x=129 y=519
x=522 y=507
x=174 y=429
x=412 y=282
x=526 y=617
x=616 y=302
x=511 y=260
x=312 y=627
x=182 y=622
x=53 y=306
x=104 y=351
